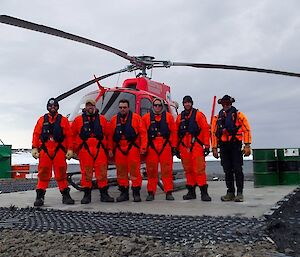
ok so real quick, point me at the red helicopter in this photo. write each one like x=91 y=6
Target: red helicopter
x=141 y=90
x=138 y=91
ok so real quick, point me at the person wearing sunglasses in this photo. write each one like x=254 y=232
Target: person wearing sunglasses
x=230 y=128
x=161 y=130
x=52 y=145
x=90 y=136
x=129 y=138
x=193 y=145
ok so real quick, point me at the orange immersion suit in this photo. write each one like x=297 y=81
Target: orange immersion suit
x=129 y=137
x=53 y=137
x=162 y=138
x=90 y=136
x=193 y=137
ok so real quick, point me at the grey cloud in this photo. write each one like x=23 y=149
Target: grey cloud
x=35 y=67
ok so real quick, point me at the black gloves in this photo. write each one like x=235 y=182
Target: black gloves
x=206 y=151
x=175 y=152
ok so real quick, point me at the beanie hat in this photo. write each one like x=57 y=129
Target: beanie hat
x=187 y=98
x=52 y=101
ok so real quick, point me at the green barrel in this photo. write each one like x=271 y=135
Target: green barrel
x=5 y=161
x=289 y=166
x=265 y=167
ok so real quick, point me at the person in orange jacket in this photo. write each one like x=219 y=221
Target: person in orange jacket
x=162 y=137
x=90 y=136
x=230 y=128
x=129 y=137
x=52 y=145
x=193 y=145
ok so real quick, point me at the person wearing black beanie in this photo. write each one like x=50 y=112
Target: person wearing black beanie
x=193 y=145
x=52 y=145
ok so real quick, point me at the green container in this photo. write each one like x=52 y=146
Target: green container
x=5 y=161
x=289 y=166
x=265 y=167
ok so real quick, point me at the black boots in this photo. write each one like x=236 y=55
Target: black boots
x=40 y=195
x=150 y=196
x=204 y=195
x=136 y=194
x=66 y=198
x=87 y=195
x=191 y=193
x=124 y=196
x=169 y=196
x=104 y=196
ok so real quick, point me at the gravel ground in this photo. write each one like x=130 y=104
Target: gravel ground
x=23 y=243
x=284 y=225
x=16 y=185
x=20 y=235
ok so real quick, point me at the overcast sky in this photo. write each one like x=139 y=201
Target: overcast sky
x=263 y=33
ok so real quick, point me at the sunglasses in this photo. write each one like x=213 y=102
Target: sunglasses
x=157 y=105
x=226 y=103
x=123 y=107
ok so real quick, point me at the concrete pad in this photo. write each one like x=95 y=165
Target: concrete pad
x=257 y=201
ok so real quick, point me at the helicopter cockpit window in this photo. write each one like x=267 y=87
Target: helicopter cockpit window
x=146 y=106
x=80 y=106
x=110 y=105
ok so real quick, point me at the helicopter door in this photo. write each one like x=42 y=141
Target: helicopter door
x=145 y=106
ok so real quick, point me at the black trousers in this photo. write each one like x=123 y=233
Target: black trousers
x=232 y=162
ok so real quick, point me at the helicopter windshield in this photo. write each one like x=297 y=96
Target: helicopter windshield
x=110 y=104
x=80 y=106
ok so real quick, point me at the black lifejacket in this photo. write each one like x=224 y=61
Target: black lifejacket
x=227 y=120
x=91 y=127
x=188 y=125
x=158 y=128
x=125 y=130
x=52 y=130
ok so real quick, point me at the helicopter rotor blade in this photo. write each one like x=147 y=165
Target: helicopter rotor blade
x=232 y=67
x=140 y=62
x=86 y=84
x=59 y=33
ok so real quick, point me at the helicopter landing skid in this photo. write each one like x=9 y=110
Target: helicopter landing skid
x=74 y=181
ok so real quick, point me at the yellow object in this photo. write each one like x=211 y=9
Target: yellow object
x=215 y=153
x=35 y=153
x=247 y=150
x=69 y=154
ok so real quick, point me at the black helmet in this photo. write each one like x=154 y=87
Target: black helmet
x=52 y=101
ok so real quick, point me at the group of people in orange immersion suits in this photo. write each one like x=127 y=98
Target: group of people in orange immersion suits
x=156 y=136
